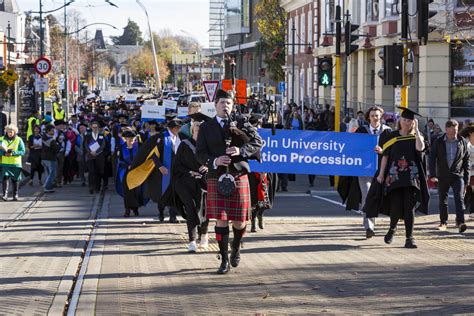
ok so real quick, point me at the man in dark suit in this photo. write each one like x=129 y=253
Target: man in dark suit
x=225 y=147
x=95 y=148
x=450 y=166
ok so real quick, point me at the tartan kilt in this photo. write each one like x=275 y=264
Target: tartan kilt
x=233 y=208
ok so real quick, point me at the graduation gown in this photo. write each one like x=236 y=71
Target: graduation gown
x=190 y=191
x=348 y=187
x=398 y=149
x=155 y=152
x=134 y=198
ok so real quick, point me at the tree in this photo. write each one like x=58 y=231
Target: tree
x=271 y=22
x=131 y=35
x=142 y=64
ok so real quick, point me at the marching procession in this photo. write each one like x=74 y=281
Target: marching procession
x=198 y=167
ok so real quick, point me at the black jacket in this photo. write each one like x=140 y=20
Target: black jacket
x=439 y=164
x=50 y=148
x=211 y=144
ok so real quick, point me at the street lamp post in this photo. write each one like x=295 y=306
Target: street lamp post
x=42 y=36
x=155 y=61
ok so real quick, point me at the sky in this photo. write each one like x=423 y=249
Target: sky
x=191 y=16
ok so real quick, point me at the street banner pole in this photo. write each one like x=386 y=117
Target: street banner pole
x=337 y=114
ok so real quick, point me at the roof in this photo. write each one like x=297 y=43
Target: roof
x=10 y=6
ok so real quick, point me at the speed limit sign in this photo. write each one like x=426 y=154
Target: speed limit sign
x=42 y=66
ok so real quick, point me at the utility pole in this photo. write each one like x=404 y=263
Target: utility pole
x=66 y=90
x=293 y=36
x=8 y=67
x=346 y=60
x=78 y=60
x=404 y=40
x=41 y=49
x=337 y=114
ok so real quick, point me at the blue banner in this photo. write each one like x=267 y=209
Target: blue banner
x=318 y=153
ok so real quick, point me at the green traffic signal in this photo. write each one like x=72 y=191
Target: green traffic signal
x=325 y=72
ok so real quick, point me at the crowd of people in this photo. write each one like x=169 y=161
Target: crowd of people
x=198 y=167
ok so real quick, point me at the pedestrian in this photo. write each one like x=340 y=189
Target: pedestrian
x=49 y=150
x=193 y=107
x=375 y=127
x=468 y=133
x=70 y=159
x=361 y=118
x=12 y=150
x=401 y=177
x=153 y=165
x=80 y=154
x=33 y=120
x=450 y=167
x=127 y=150
x=95 y=148
x=226 y=153
x=189 y=180
x=34 y=157
x=60 y=135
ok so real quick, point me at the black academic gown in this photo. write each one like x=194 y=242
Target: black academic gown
x=189 y=190
x=378 y=201
x=145 y=168
x=348 y=187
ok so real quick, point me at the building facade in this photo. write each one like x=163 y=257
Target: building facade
x=435 y=83
x=300 y=68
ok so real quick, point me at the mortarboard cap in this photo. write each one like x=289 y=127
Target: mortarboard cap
x=407 y=113
x=199 y=117
x=174 y=123
x=152 y=122
x=170 y=116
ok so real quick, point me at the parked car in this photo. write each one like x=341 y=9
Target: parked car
x=173 y=96
x=137 y=87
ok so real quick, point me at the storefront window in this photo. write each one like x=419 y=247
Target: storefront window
x=462 y=83
x=391 y=8
x=372 y=11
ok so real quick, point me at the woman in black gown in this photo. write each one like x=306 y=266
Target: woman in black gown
x=127 y=150
x=34 y=158
x=190 y=185
x=402 y=174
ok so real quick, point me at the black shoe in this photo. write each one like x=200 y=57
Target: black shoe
x=126 y=213
x=161 y=217
x=135 y=213
x=462 y=228
x=234 y=256
x=410 y=243
x=224 y=268
x=369 y=233
x=173 y=220
x=253 y=227
x=389 y=236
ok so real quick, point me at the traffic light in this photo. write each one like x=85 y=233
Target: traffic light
x=392 y=71
x=424 y=14
x=325 y=72
x=350 y=38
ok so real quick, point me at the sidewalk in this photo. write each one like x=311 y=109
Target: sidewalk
x=314 y=266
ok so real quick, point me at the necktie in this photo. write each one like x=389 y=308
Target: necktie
x=375 y=131
x=225 y=123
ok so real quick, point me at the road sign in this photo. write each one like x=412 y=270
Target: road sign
x=9 y=76
x=210 y=87
x=241 y=91
x=281 y=86
x=41 y=84
x=227 y=85
x=42 y=66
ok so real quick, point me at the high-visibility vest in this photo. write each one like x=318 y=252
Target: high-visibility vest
x=13 y=145
x=58 y=114
x=32 y=122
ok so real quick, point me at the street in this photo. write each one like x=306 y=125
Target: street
x=72 y=253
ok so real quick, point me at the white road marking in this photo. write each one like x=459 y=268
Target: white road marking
x=327 y=200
